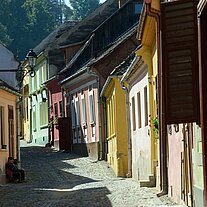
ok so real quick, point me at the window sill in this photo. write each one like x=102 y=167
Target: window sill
x=3 y=150
x=44 y=126
x=92 y=124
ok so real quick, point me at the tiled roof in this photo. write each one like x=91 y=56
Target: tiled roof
x=84 y=28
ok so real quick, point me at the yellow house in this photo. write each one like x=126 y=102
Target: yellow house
x=8 y=126
x=115 y=123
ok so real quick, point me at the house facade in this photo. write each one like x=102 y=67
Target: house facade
x=199 y=158
x=177 y=92
x=38 y=110
x=144 y=143
x=9 y=127
x=90 y=67
x=115 y=127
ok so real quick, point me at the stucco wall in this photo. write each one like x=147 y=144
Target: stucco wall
x=174 y=163
x=198 y=185
x=85 y=87
x=40 y=134
x=141 y=152
x=117 y=137
x=7 y=99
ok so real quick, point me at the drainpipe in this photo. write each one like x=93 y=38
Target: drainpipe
x=103 y=100
x=129 y=174
x=161 y=90
x=99 y=114
x=17 y=129
x=202 y=85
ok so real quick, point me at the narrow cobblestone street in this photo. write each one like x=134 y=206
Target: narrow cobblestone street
x=62 y=179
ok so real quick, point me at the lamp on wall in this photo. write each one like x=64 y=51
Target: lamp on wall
x=32 y=58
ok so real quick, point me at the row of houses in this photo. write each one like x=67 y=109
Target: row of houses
x=127 y=84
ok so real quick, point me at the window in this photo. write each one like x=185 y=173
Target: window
x=133 y=114
x=146 y=105
x=91 y=106
x=2 y=126
x=26 y=108
x=34 y=118
x=77 y=112
x=61 y=108
x=73 y=113
x=56 y=109
x=43 y=113
x=83 y=109
x=137 y=8
x=139 y=110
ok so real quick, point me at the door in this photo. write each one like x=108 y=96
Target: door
x=64 y=134
x=11 y=130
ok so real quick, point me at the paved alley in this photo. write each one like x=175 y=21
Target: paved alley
x=57 y=179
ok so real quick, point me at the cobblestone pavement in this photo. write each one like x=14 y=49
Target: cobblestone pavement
x=57 y=179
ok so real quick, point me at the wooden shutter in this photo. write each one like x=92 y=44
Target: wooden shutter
x=180 y=60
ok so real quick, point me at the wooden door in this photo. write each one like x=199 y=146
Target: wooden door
x=64 y=133
x=11 y=130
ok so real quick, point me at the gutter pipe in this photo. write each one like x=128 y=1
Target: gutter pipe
x=99 y=113
x=161 y=90
x=129 y=174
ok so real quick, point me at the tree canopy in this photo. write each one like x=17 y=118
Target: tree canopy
x=81 y=8
x=24 y=23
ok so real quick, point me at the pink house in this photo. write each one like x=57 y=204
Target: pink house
x=56 y=113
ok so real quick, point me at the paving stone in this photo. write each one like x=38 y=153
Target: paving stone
x=57 y=179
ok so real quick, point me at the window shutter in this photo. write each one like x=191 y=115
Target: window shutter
x=91 y=102
x=73 y=113
x=180 y=60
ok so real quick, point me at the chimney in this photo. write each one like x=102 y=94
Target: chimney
x=121 y=2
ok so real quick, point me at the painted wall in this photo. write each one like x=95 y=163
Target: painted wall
x=117 y=138
x=55 y=96
x=39 y=108
x=26 y=109
x=198 y=186
x=7 y=99
x=84 y=133
x=174 y=163
x=141 y=150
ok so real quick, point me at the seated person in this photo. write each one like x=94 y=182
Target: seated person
x=12 y=174
x=21 y=171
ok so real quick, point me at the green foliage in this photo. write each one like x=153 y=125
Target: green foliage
x=81 y=8
x=25 y=23
x=4 y=37
x=155 y=126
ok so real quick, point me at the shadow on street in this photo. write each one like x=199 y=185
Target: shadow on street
x=49 y=183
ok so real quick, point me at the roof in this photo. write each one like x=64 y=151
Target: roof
x=83 y=29
x=131 y=69
x=50 y=39
x=7 y=87
x=119 y=71
x=122 y=68
x=102 y=55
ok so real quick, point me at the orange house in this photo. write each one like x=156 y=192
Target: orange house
x=8 y=126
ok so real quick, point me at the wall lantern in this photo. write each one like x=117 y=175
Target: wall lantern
x=32 y=58
x=44 y=94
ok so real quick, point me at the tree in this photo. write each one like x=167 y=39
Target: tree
x=25 y=23
x=81 y=8
x=4 y=37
